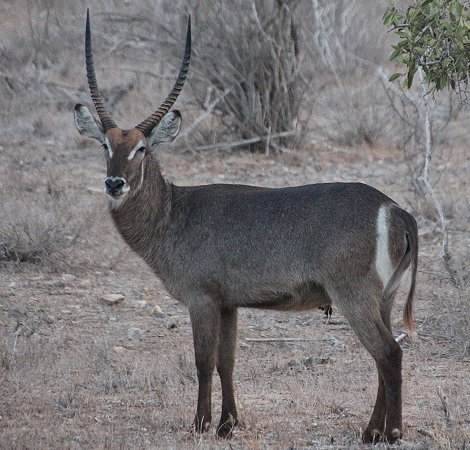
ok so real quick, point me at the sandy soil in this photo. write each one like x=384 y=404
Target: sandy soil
x=77 y=373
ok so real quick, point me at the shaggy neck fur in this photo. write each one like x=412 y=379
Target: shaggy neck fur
x=142 y=218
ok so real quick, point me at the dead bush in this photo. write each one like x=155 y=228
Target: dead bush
x=340 y=31
x=39 y=221
x=247 y=70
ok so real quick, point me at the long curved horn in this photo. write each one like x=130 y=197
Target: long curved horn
x=104 y=116
x=149 y=123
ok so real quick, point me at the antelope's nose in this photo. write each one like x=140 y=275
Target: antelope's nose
x=114 y=185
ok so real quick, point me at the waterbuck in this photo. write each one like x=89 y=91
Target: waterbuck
x=219 y=247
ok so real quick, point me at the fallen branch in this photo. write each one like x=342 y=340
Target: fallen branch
x=281 y=339
x=229 y=145
x=401 y=336
x=426 y=433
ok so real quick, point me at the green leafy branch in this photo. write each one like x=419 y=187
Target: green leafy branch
x=433 y=35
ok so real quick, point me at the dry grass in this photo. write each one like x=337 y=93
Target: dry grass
x=69 y=375
x=73 y=379
x=41 y=219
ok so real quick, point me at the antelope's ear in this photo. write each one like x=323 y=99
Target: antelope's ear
x=166 y=130
x=86 y=124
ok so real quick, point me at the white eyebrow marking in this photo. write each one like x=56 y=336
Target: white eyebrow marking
x=134 y=150
x=142 y=168
x=109 y=148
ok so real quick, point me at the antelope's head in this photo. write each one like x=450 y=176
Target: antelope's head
x=126 y=150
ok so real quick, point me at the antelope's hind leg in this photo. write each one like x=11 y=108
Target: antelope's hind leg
x=225 y=364
x=374 y=431
x=366 y=316
x=376 y=427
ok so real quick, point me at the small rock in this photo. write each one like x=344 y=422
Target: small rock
x=12 y=285
x=140 y=303
x=49 y=319
x=324 y=360
x=119 y=350
x=84 y=284
x=37 y=278
x=308 y=362
x=68 y=277
x=53 y=283
x=112 y=299
x=157 y=312
x=333 y=341
x=134 y=333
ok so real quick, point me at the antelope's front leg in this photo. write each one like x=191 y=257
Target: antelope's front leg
x=205 y=321
x=225 y=363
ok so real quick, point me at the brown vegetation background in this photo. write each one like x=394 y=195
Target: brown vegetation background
x=78 y=373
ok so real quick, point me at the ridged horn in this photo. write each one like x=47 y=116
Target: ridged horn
x=104 y=116
x=149 y=123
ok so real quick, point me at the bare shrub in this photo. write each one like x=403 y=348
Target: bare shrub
x=341 y=30
x=39 y=221
x=35 y=63
x=347 y=41
x=358 y=115
x=247 y=69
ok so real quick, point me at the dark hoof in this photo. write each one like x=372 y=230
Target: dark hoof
x=394 y=436
x=372 y=436
x=225 y=428
x=201 y=425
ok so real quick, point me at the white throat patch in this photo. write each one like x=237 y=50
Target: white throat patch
x=116 y=203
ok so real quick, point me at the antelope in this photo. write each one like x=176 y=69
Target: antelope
x=219 y=247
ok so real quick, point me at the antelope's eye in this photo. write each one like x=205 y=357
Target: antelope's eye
x=141 y=149
x=104 y=146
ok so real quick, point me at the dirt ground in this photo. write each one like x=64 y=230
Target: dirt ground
x=77 y=373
